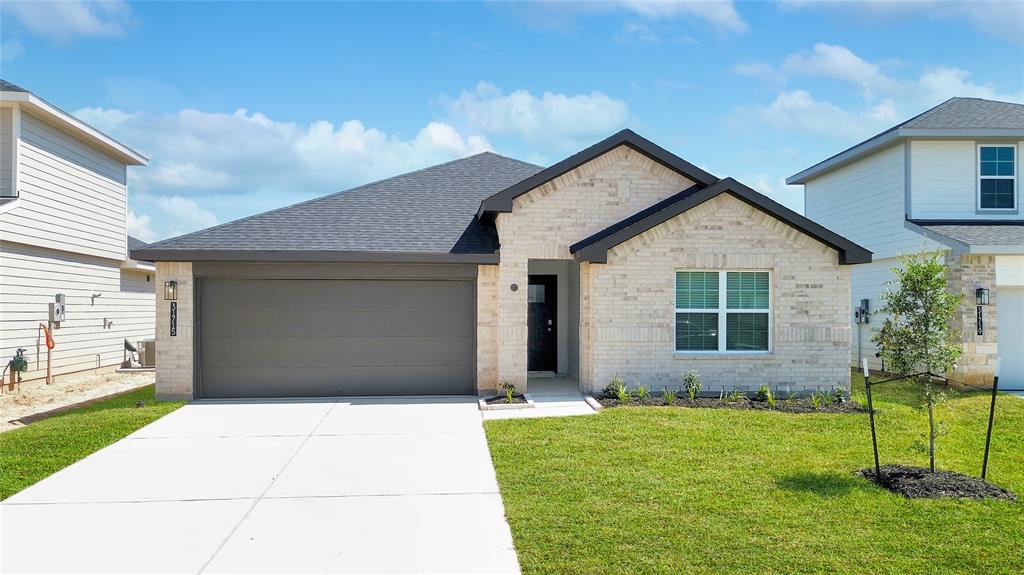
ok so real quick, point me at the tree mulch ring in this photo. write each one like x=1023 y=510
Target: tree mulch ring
x=919 y=482
x=503 y=400
x=794 y=405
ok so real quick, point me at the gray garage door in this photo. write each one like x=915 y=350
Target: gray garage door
x=297 y=337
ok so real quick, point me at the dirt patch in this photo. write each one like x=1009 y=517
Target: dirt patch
x=918 y=482
x=36 y=397
x=502 y=400
x=795 y=405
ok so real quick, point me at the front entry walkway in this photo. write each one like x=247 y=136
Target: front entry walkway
x=555 y=396
x=397 y=485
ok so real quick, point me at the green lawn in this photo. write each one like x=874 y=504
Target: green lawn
x=40 y=449
x=676 y=490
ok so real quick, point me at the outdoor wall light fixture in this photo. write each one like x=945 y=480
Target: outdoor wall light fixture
x=981 y=294
x=171 y=290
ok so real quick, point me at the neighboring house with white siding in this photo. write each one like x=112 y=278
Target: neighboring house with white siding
x=63 y=230
x=948 y=179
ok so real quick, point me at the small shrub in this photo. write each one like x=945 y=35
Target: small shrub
x=838 y=394
x=510 y=390
x=692 y=384
x=733 y=396
x=614 y=388
x=670 y=396
x=642 y=392
x=623 y=395
x=817 y=400
x=764 y=393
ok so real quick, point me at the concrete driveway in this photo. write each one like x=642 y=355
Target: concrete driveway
x=340 y=485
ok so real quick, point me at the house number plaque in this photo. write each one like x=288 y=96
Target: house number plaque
x=981 y=324
x=174 y=318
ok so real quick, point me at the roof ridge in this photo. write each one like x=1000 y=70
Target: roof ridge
x=493 y=153
x=324 y=197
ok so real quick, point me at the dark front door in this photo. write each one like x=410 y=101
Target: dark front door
x=542 y=301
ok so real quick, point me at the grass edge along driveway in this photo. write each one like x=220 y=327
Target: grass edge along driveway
x=40 y=449
x=678 y=490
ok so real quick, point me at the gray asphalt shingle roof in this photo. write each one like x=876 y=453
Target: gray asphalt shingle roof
x=980 y=234
x=967 y=113
x=432 y=210
x=6 y=86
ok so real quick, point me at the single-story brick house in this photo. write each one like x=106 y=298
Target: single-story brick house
x=622 y=259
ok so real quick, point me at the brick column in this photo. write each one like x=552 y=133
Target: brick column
x=174 y=354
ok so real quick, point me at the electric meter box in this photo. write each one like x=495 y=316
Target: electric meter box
x=57 y=309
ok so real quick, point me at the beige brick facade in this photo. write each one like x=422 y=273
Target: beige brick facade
x=547 y=220
x=979 y=352
x=632 y=304
x=487 y=330
x=174 y=358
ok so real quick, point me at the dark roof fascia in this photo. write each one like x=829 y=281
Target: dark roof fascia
x=186 y=255
x=1016 y=222
x=501 y=202
x=849 y=252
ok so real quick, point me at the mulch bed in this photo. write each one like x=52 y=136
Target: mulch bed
x=918 y=482
x=801 y=405
x=502 y=400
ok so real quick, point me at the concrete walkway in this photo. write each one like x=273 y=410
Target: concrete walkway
x=397 y=485
x=553 y=397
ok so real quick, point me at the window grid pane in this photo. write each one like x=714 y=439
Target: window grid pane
x=997 y=194
x=746 y=332
x=696 y=331
x=747 y=290
x=696 y=290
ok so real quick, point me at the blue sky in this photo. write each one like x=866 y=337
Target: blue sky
x=244 y=107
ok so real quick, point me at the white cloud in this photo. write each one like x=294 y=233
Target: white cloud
x=11 y=50
x=195 y=152
x=840 y=63
x=885 y=100
x=798 y=111
x=139 y=226
x=227 y=165
x=185 y=214
x=999 y=18
x=67 y=19
x=561 y=119
x=720 y=14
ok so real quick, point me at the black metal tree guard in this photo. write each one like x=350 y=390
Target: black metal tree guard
x=871 y=413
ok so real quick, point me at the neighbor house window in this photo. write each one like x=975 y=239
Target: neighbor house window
x=723 y=311
x=997 y=177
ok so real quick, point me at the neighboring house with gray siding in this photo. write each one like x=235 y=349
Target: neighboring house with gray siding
x=948 y=179
x=623 y=259
x=63 y=230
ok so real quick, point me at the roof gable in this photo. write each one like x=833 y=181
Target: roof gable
x=595 y=248
x=954 y=118
x=501 y=202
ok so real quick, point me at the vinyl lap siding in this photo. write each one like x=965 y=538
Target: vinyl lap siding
x=72 y=196
x=943 y=180
x=6 y=144
x=864 y=202
x=30 y=277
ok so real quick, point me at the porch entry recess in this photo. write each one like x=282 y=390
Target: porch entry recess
x=542 y=323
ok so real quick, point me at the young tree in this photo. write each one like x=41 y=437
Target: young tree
x=915 y=337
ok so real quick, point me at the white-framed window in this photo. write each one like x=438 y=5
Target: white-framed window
x=997 y=177
x=723 y=311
